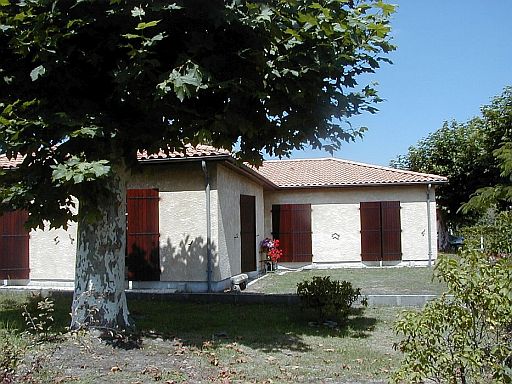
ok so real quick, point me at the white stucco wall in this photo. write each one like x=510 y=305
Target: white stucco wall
x=182 y=219
x=230 y=186
x=336 y=212
x=52 y=253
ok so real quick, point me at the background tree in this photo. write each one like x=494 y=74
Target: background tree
x=499 y=194
x=466 y=154
x=85 y=84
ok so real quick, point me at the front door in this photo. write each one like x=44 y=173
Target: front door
x=248 y=232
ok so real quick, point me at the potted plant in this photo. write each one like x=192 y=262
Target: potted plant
x=270 y=247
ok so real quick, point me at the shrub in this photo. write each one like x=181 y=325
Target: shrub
x=495 y=234
x=38 y=315
x=328 y=299
x=465 y=336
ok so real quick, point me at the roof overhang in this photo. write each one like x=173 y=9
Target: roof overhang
x=226 y=160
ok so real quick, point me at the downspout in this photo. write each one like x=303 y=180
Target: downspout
x=429 y=227
x=208 y=227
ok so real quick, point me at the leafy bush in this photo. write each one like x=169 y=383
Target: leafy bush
x=328 y=299
x=496 y=234
x=465 y=336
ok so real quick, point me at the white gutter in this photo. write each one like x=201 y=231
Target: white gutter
x=429 y=226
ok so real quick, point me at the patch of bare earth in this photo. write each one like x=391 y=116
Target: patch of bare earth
x=85 y=358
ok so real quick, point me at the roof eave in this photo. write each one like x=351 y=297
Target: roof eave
x=160 y=160
x=354 y=185
x=251 y=173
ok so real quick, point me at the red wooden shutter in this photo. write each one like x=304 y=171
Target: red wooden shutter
x=391 y=231
x=371 y=241
x=291 y=224
x=301 y=217
x=284 y=231
x=14 y=246
x=143 y=248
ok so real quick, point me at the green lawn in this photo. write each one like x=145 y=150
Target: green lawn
x=263 y=343
x=370 y=280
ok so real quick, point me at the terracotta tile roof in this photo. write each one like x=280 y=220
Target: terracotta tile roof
x=6 y=163
x=331 y=172
x=189 y=152
x=199 y=151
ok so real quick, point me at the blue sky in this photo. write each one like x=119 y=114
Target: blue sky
x=452 y=57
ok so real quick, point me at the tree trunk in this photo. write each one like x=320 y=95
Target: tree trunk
x=99 y=300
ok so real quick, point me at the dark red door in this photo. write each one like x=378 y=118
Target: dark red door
x=14 y=245
x=248 y=232
x=142 y=247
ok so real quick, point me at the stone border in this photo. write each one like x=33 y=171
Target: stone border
x=235 y=297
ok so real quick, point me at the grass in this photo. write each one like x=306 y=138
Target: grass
x=370 y=280
x=244 y=343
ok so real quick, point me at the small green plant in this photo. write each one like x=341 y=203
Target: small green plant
x=328 y=299
x=38 y=315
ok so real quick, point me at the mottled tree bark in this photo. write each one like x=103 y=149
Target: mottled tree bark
x=99 y=299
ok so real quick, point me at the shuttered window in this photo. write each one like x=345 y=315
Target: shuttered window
x=142 y=246
x=291 y=224
x=380 y=231
x=14 y=246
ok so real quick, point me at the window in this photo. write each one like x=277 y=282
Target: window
x=291 y=224
x=380 y=231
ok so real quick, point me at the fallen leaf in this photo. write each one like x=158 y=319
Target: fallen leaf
x=61 y=379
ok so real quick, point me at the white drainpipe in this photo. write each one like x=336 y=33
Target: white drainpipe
x=208 y=227
x=429 y=227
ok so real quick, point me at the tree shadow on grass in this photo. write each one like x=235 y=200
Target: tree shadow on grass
x=264 y=327
x=11 y=315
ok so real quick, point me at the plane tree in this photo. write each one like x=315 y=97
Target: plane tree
x=85 y=84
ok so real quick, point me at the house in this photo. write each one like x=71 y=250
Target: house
x=196 y=218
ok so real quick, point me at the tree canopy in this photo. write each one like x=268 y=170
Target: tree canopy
x=86 y=83
x=472 y=154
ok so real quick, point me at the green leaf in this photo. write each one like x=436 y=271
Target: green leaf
x=387 y=9
x=138 y=12
x=37 y=72
x=307 y=18
x=149 y=24
x=4 y=3
x=132 y=36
